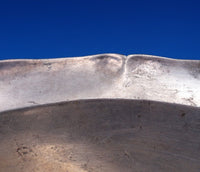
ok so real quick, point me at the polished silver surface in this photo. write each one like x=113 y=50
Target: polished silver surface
x=25 y=83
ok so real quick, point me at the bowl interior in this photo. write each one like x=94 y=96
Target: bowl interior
x=101 y=135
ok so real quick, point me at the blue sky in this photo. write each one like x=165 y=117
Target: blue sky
x=67 y=28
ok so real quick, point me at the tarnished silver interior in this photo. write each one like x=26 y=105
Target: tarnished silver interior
x=101 y=136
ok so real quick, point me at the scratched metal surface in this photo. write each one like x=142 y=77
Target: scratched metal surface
x=25 y=83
